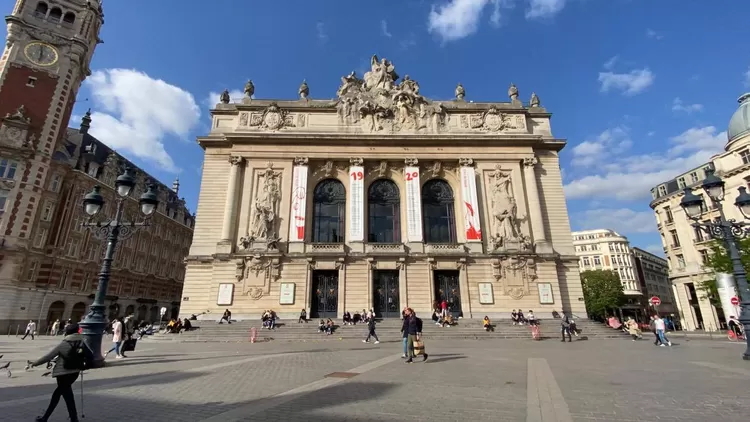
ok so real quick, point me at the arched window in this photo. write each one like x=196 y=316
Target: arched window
x=329 y=212
x=55 y=14
x=383 y=201
x=41 y=10
x=69 y=18
x=437 y=207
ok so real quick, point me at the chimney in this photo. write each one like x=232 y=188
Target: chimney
x=85 y=123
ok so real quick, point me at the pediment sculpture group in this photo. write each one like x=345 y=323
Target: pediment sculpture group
x=382 y=104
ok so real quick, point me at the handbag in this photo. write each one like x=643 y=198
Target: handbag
x=129 y=345
x=419 y=348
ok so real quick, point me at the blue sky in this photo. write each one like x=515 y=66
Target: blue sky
x=641 y=89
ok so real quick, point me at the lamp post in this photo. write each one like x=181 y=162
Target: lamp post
x=112 y=231
x=727 y=230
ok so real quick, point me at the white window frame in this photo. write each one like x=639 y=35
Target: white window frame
x=47 y=211
x=54 y=184
x=8 y=168
x=62 y=283
x=4 y=195
x=32 y=271
x=40 y=238
x=73 y=247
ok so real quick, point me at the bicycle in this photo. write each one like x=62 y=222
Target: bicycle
x=732 y=336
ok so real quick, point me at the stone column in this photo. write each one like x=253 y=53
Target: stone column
x=356 y=211
x=414 y=235
x=535 y=206
x=298 y=214
x=230 y=206
x=472 y=218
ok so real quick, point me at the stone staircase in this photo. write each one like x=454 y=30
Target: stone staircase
x=387 y=329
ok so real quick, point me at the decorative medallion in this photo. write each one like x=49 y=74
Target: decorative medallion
x=274 y=117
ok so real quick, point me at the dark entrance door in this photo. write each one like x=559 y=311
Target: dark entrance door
x=447 y=288
x=325 y=294
x=385 y=294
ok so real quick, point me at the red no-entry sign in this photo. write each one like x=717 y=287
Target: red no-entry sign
x=655 y=301
x=735 y=301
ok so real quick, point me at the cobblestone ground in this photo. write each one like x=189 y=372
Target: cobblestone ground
x=511 y=380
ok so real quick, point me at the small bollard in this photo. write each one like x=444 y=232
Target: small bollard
x=253 y=334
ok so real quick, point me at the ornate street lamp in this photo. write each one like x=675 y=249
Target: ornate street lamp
x=727 y=230
x=112 y=231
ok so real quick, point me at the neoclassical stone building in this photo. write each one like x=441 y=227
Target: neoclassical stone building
x=380 y=198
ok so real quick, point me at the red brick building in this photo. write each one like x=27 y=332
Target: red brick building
x=48 y=262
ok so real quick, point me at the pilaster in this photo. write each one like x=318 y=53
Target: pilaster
x=226 y=244
x=541 y=244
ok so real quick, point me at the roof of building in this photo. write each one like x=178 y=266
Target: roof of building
x=739 y=124
x=78 y=142
x=643 y=252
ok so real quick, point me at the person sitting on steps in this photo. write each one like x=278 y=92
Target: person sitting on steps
x=487 y=324
x=227 y=316
x=302 y=317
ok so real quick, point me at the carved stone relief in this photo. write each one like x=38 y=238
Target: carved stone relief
x=257 y=273
x=378 y=103
x=515 y=273
x=272 y=118
x=14 y=131
x=493 y=120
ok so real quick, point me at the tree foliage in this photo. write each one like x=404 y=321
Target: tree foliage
x=718 y=262
x=602 y=291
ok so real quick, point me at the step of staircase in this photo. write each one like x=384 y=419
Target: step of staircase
x=388 y=329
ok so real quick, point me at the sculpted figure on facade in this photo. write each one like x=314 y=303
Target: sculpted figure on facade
x=382 y=75
x=460 y=92
x=266 y=206
x=224 y=97
x=304 y=90
x=249 y=89
x=534 y=100
x=503 y=209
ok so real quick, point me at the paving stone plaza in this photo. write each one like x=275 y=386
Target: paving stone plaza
x=346 y=380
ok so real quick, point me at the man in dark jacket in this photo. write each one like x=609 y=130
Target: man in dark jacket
x=65 y=377
x=565 y=327
x=413 y=330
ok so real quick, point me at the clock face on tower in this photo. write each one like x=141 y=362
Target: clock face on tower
x=41 y=54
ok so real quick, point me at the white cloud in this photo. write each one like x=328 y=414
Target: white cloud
x=212 y=99
x=632 y=83
x=610 y=142
x=458 y=19
x=631 y=177
x=747 y=77
x=654 y=35
x=651 y=133
x=679 y=106
x=621 y=220
x=407 y=43
x=609 y=64
x=139 y=112
x=320 y=31
x=544 y=9
x=384 y=28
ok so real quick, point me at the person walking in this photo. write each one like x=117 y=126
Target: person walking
x=72 y=356
x=405 y=332
x=55 y=328
x=633 y=328
x=652 y=327
x=371 y=332
x=660 y=329
x=116 y=338
x=30 y=330
x=565 y=327
x=413 y=331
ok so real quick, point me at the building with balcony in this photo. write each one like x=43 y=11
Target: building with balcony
x=380 y=198
x=652 y=272
x=604 y=249
x=687 y=248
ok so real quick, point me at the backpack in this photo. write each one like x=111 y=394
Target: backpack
x=78 y=357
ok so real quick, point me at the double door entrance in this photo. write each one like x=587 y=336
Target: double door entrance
x=447 y=288
x=325 y=294
x=385 y=294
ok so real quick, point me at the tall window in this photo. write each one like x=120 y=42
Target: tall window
x=383 y=201
x=8 y=168
x=437 y=207
x=329 y=212
x=668 y=213
x=3 y=199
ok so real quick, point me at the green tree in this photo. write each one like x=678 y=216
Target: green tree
x=718 y=262
x=602 y=291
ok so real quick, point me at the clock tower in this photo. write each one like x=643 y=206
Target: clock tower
x=47 y=54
